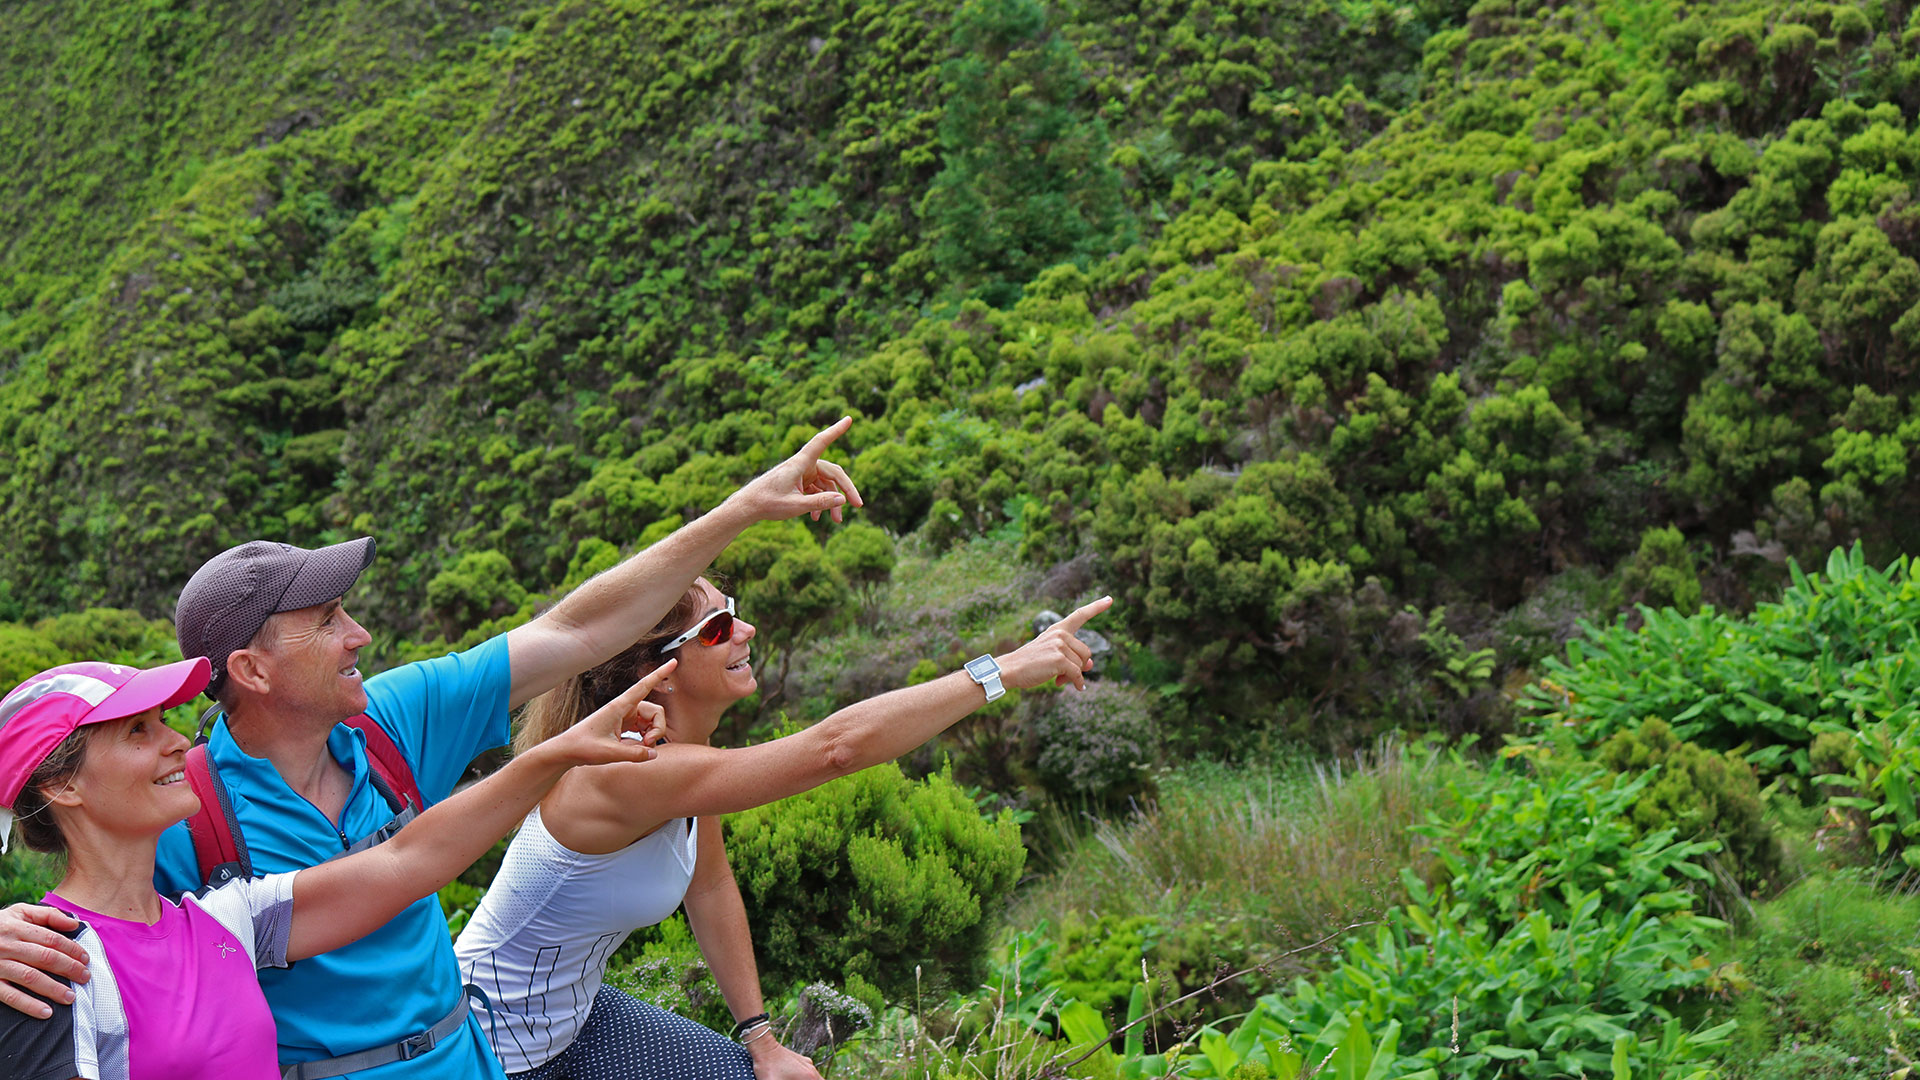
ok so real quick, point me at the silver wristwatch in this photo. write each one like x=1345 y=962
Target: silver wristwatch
x=985 y=670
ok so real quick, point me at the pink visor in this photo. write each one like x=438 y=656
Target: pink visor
x=36 y=715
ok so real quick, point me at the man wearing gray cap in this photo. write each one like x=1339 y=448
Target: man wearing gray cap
x=285 y=657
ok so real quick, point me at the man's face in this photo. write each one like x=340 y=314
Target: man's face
x=313 y=661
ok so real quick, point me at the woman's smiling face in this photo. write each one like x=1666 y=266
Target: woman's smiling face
x=132 y=782
x=712 y=677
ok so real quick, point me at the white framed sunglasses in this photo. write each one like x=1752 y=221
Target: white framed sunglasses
x=712 y=630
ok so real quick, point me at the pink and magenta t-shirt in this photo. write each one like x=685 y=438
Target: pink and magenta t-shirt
x=177 y=1000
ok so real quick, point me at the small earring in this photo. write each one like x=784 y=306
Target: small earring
x=668 y=689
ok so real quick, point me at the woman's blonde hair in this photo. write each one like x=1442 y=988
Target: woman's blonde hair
x=575 y=699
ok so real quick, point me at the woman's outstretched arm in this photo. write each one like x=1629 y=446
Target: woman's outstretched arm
x=346 y=899
x=692 y=781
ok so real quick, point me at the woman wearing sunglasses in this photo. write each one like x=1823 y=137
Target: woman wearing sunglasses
x=88 y=768
x=613 y=849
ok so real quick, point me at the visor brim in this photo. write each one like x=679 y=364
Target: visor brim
x=162 y=688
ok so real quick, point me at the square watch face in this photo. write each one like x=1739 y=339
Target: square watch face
x=982 y=668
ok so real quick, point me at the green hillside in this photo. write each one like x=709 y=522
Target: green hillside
x=415 y=262
x=1478 y=299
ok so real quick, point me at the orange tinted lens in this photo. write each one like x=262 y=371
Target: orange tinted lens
x=718 y=629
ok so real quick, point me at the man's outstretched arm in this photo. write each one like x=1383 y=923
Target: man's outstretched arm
x=610 y=612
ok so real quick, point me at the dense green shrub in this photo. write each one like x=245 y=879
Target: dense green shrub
x=1096 y=742
x=1769 y=682
x=1105 y=963
x=25 y=651
x=1662 y=574
x=1817 y=688
x=480 y=586
x=874 y=875
x=1699 y=795
x=1099 y=962
x=1037 y=969
x=1026 y=181
x=1552 y=940
x=863 y=554
x=113 y=635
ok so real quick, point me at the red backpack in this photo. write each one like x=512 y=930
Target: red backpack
x=217 y=845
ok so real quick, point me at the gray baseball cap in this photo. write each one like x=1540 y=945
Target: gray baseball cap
x=233 y=595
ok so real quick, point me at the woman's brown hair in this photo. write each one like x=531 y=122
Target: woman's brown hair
x=31 y=810
x=574 y=700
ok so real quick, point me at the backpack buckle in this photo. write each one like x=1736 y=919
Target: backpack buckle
x=414 y=1045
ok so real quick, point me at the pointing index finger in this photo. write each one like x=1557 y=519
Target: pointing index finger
x=651 y=679
x=1080 y=615
x=817 y=445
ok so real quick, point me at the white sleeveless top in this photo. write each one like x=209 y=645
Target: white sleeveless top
x=538 y=944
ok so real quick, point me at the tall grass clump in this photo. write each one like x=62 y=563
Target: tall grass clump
x=1287 y=851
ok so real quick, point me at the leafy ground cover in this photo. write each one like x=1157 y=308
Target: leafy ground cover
x=1821 y=982
x=1535 y=931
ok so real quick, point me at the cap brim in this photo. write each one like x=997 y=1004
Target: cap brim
x=328 y=574
x=155 y=688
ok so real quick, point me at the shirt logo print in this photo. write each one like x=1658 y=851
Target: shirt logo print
x=226 y=950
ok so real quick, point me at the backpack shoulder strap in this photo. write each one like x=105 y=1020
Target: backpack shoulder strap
x=392 y=775
x=217 y=846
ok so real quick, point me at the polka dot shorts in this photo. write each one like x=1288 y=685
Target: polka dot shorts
x=625 y=1039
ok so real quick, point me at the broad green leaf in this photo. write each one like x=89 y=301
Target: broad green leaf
x=1383 y=1055
x=1082 y=1024
x=1214 y=1046
x=1281 y=1064
x=1135 y=1043
x=1245 y=1037
x=1355 y=1056
x=1899 y=793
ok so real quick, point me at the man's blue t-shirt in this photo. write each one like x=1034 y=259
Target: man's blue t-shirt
x=401 y=979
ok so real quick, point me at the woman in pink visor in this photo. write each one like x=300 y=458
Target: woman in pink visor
x=88 y=768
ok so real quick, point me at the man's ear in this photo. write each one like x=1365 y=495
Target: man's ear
x=250 y=671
